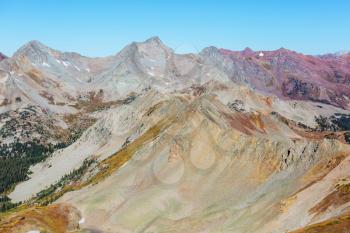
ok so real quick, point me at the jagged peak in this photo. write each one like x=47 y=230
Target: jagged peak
x=154 y=39
x=147 y=45
x=33 y=46
x=247 y=49
x=284 y=50
x=36 y=45
x=209 y=50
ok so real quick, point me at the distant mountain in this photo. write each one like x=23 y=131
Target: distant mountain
x=148 y=140
x=2 y=57
x=285 y=73
x=288 y=74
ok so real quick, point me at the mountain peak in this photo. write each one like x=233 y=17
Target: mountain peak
x=209 y=50
x=154 y=39
x=152 y=45
x=31 y=48
x=35 y=44
x=284 y=50
x=154 y=42
x=247 y=51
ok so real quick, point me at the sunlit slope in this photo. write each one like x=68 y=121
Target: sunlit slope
x=211 y=169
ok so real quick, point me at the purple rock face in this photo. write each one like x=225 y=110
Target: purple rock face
x=2 y=57
x=295 y=76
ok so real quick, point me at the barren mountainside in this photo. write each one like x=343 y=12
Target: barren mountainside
x=2 y=56
x=148 y=140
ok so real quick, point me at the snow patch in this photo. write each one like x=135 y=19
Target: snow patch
x=58 y=61
x=88 y=70
x=76 y=67
x=150 y=73
x=79 y=80
x=261 y=54
x=45 y=64
x=33 y=231
x=81 y=221
x=66 y=63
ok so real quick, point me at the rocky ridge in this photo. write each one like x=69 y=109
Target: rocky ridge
x=148 y=138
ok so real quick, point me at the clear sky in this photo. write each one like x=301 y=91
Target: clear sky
x=102 y=27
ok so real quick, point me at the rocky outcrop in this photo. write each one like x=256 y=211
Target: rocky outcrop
x=287 y=73
x=2 y=57
x=220 y=141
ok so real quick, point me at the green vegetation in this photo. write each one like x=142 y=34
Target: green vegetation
x=347 y=137
x=16 y=158
x=336 y=122
x=29 y=136
x=47 y=195
x=6 y=204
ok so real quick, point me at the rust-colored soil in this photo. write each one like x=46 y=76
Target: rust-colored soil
x=58 y=218
x=338 y=197
x=245 y=124
x=340 y=224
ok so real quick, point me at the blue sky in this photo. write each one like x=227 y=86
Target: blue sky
x=102 y=27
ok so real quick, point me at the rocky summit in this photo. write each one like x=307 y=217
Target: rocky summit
x=148 y=140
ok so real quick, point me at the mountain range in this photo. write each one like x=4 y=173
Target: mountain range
x=148 y=140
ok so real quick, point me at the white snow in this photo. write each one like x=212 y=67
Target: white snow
x=261 y=54
x=81 y=221
x=33 y=231
x=76 y=67
x=79 y=80
x=66 y=63
x=87 y=69
x=45 y=64
x=58 y=61
x=151 y=73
